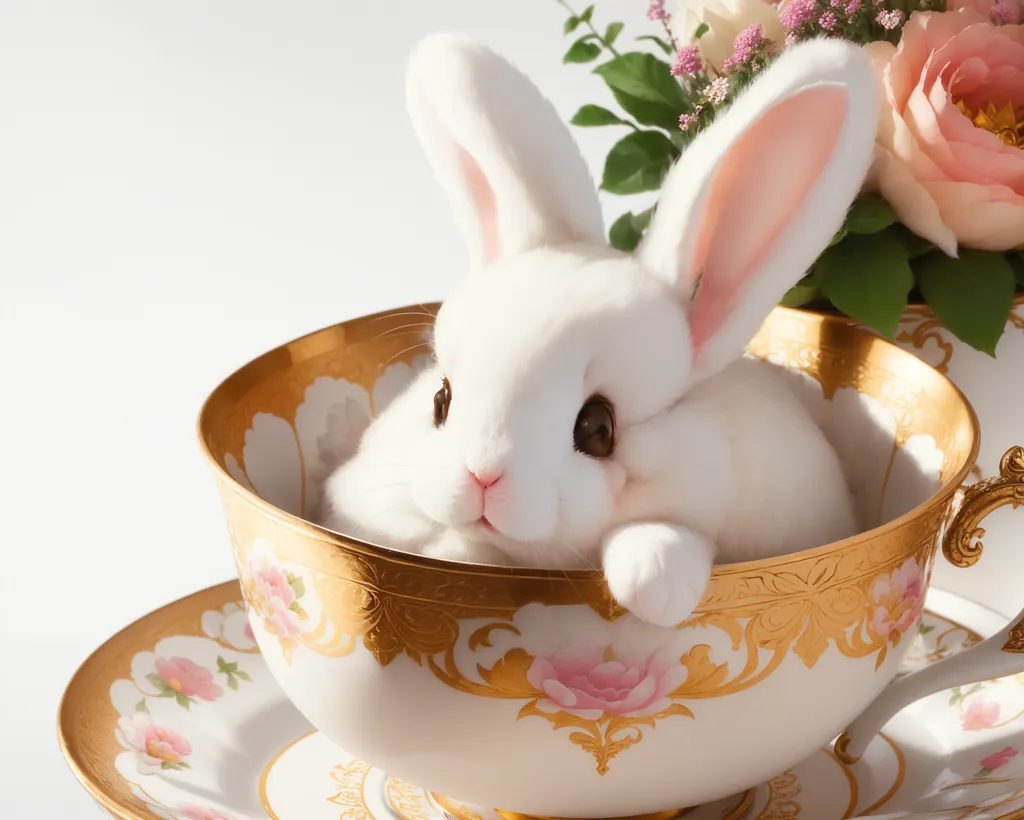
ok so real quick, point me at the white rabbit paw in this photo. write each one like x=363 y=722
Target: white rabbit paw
x=657 y=571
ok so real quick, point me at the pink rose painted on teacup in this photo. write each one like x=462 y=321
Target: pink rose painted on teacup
x=949 y=180
x=589 y=683
x=274 y=594
x=186 y=678
x=193 y=812
x=156 y=747
x=997 y=760
x=898 y=599
x=981 y=714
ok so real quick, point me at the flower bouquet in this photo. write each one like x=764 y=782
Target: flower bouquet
x=940 y=222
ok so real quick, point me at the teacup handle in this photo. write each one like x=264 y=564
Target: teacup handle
x=998 y=656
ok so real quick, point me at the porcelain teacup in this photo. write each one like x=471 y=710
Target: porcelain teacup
x=533 y=690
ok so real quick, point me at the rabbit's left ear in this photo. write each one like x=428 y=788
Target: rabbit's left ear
x=512 y=172
x=758 y=196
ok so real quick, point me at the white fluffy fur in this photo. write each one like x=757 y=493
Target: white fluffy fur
x=716 y=459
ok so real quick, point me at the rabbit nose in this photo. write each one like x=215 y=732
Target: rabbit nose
x=485 y=479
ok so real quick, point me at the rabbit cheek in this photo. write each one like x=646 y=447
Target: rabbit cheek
x=523 y=509
x=446 y=492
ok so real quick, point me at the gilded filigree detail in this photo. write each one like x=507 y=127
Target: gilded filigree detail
x=407 y=801
x=962 y=543
x=925 y=328
x=350 y=780
x=782 y=803
x=1015 y=638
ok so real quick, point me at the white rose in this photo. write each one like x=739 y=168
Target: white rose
x=725 y=19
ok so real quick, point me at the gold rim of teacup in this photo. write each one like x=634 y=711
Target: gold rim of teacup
x=328 y=338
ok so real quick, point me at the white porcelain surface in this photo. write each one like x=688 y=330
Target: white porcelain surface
x=192 y=745
x=996 y=390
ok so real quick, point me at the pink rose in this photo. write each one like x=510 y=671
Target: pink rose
x=898 y=599
x=980 y=715
x=1000 y=758
x=948 y=180
x=589 y=685
x=188 y=679
x=156 y=746
x=272 y=594
x=196 y=813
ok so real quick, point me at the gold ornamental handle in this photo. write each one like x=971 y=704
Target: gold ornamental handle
x=962 y=544
x=996 y=657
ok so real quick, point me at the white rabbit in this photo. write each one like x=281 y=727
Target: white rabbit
x=592 y=406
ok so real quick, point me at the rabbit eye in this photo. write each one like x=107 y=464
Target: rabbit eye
x=442 y=401
x=594 y=433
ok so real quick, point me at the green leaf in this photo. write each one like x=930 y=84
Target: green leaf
x=627 y=231
x=160 y=685
x=1016 y=260
x=183 y=765
x=841 y=234
x=612 y=32
x=591 y=115
x=638 y=162
x=804 y=291
x=870 y=214
x=868 y=278
x=221 y=664
x=645 y=89
x=588 y=12
x=702 y=29
x=916 y=245
x=665 y=47
x=183 y=701
x=298 y=585
x=141 y=706
x=570 y=25
x=581 y=52
x=972 y=296
x=296 y=607
x=243 y=675
x=232 y=682
x=924 y=630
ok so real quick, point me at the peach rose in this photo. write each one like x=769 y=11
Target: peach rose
x=948 y=180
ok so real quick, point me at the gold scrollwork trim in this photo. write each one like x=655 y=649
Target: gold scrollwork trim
x=1015 y=640
x=783 y=792
x=962 y=543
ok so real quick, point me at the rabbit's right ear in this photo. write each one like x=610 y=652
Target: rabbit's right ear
x=512 y=172
x=758 y=196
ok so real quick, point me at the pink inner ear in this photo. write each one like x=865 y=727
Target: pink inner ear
x=484 y=201
x=757 y=192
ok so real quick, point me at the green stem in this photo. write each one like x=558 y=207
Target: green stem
x=604 y=43
x=670 y=35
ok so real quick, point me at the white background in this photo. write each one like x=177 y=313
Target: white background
x=184 y=185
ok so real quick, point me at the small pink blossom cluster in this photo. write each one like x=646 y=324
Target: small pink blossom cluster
x=1007 y=13
x=656 y=11
x=745 y=46
x=687 y=62
x=890 y=19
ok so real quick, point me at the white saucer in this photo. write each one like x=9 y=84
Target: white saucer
x=177 y=717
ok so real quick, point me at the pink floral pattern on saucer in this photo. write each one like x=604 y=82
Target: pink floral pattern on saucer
x=173 y=755
x=155 y=746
